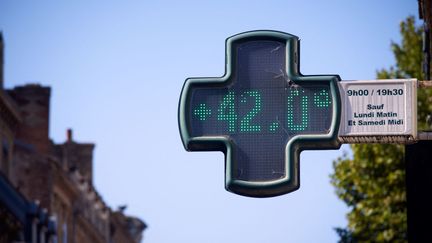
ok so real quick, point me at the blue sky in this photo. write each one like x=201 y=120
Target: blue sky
x=116 y=69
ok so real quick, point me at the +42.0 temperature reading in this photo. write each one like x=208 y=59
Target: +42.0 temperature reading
x=261 y=110
x=261 y=113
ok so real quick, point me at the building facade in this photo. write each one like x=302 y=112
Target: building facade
x=52 y=182
x=21 y=220
x=425 y=13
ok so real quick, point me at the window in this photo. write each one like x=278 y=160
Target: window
x=5 y=157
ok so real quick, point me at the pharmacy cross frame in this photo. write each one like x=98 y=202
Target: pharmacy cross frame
x=263 y=112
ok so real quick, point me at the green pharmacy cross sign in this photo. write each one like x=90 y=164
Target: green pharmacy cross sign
x=262 y=113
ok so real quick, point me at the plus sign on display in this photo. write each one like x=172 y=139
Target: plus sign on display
x=262 y=113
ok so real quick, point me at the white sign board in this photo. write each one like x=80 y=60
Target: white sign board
x=379 y=108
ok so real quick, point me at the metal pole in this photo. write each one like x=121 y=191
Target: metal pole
x=418 y=162
x=425 y=84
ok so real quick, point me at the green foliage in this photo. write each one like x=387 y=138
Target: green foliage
x=409 y=58
x=372 y=183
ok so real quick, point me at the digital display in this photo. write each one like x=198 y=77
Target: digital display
x=259 y=110
x=261 y=113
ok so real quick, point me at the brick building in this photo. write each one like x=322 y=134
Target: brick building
x=52 y=181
